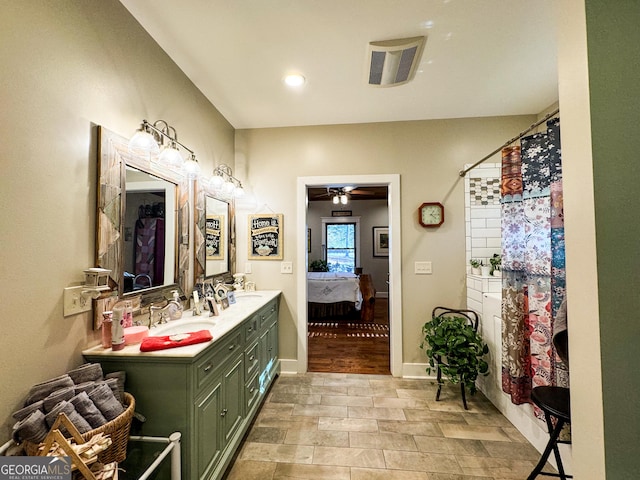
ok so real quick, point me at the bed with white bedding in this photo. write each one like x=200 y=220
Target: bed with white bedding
x=333 y=294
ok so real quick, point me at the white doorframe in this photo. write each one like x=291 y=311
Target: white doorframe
x=392 y=181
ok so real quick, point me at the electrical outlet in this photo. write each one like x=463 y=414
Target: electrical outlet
x=247 y=267
x=422 y=268
x=286 y=267
x=75 y=302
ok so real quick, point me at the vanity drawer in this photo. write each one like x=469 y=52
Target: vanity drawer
x=268 y=313
x=251 y=360
x=252 y=393
x=251 y=327
x=211 y=363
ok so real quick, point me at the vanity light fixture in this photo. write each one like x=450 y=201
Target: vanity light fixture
x=151 y=138
x=223 y=180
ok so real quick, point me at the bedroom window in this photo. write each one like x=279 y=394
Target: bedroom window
x=341 y=246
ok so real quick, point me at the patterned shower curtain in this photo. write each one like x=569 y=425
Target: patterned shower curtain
x=533 y=262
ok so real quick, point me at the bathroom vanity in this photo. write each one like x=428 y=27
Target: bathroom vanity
x=210 y=392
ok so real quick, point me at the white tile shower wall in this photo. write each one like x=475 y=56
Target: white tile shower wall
x=482 y=210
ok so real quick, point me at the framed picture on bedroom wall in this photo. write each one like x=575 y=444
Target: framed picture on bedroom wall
x=265 y=236
x=380 y=241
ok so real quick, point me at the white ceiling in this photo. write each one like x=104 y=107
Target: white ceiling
x=482 y=57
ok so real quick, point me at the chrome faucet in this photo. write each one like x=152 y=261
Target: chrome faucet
x=162 y=312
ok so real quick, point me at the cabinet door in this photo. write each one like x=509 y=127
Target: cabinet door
x=272 y=349
x=233 y=398
x=208 y=436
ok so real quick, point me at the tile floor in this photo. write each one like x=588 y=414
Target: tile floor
x=332 y=426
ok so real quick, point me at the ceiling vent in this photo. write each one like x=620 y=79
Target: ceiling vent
x=394 y=62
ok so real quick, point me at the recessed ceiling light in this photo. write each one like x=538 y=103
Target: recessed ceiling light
x=294 y=80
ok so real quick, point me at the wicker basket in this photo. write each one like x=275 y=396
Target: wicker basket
x=117 y=429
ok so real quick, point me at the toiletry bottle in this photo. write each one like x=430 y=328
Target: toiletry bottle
x=176 y=313
x=107 y=321
x=128 y=314
x=117 y=329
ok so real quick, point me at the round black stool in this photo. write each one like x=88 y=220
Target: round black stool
x=556 y=405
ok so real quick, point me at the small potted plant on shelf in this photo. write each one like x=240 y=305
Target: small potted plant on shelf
x=319 y=266
x=496 y=263
x=453 y=344
x=475 y=266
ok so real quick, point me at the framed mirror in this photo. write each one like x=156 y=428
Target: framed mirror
x=142 y=221
x=214 y=236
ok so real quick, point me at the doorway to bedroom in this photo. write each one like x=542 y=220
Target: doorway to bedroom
x=348 y=327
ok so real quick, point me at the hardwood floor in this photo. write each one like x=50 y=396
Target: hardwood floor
x=349 y=345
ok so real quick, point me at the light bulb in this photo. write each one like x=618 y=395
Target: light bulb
x=294 y=80
x=336 y=200
x=343 y=199
x=144 y=141
x=239 y=191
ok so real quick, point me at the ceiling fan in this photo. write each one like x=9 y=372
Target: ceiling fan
x=341 y=195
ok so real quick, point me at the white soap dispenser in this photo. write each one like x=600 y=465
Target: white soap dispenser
x=175 y=310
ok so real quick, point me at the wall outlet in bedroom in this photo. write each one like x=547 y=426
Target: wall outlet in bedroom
x=286 y=267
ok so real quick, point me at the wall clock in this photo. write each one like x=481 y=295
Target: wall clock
x=431 y=214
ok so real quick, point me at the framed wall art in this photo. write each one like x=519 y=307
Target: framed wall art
x=380 y=241
x=265 y=236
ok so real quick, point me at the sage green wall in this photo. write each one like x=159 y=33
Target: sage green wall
x=67 y=66
x=613 y=41
x=428 y=156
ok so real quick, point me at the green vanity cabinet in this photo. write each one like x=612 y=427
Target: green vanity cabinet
x=211 y=397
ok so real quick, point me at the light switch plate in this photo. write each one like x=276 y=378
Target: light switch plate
x=286 y=267
x=75 y=302
x=247 y=267
x=422 y=268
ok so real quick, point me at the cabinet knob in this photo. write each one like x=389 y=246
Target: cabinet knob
x=251 y=358
x=231 y=347
x=250 y=329
x=224 y=412
x=252 y=389
x=208 y=367
x=270 y=348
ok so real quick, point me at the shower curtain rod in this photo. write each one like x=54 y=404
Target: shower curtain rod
x=509 y=142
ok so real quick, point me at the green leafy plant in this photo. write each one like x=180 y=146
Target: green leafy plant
x=319 y=266
x=475 y=263
x=496 y=262
x=453 y=343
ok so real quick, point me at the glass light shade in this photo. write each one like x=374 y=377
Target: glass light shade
x=228 y=187
x=144 y=141
x=191 y=168
x=238 y=192
x=335 y=200
x=216 y=182
x=343 y=199
x=171 y=157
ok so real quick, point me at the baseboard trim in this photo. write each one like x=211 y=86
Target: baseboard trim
x=288 y=365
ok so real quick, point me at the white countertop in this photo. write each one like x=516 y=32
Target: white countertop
x=247 y=303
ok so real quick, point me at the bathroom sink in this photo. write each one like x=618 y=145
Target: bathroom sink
x=181 y=326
